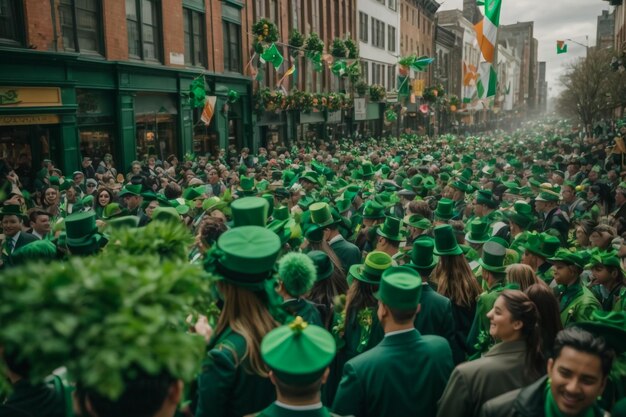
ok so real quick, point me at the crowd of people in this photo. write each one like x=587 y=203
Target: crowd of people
x=447 y=276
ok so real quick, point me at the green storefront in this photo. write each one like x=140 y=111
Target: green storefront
x=64 y=106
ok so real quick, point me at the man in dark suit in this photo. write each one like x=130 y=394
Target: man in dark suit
x=14 y=238
x=547 y=203
x=618 y=216
x=348 y=253
x=404 y=375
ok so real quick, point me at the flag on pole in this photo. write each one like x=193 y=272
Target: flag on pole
x=209 y=109
x=486 y=36
x=561 y=47
x=470 y=75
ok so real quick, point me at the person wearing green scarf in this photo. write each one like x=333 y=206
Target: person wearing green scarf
x=576 y=377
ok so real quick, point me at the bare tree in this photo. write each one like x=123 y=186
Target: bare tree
x=592 y=88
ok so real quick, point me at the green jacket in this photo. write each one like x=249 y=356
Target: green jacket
x=39 y=400
x=481 y=323
x=348 y=253
x=403 y=376
x=576 y=304
x=225 y=387
x=435 y=318
x=275 y=410
x=305 y=309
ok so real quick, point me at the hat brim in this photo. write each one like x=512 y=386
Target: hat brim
x=356 y=272
x=457 y=251
x=491 y=267
x=469 y=239
x=613 y=336
x=396 y=238
x=424 y=267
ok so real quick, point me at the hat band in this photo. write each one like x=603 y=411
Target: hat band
x=249 y=280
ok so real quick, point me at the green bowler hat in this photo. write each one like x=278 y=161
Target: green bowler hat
x=323 y=265
x=370 y=271
x=321 y=214
x=298 y=353
x=245 y=256
x=610 y=325
x=422 y=257
x=445 y=241
x=493 y=256
x=80 y=227
x=249 y=211
x=568 y=257
x=373 y=210
x=391 y=229
x=478 y=232
x=444 y=209
x=130 y=189
x=400 y=288
x=542 y=244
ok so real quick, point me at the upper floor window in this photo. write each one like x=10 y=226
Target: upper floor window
x=195 y=49
x=363 y=27
x=392 y=38
x=80 y=25
x=144 y=27
x=393 y=5
x=11 y=22
x=231 y=25
x=378 y=33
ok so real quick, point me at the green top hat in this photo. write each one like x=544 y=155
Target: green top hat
x=445 y=241
x=478 y=231
x=367 y=171
x=321 y=214
x=606 y=258
x=391 y=229
x=122 y=222
x=521 y=214
x=281 y=213
x=249 y=211
x=422 y=257
x=81 y=229
x=462 y=185
x=165 y=214
x=193 y=193
x=568 y=257
x=485 y=197
x=245 y=256
x=400 y=288
x=610 y=325
x=444 y=209
x=12 y=210
x=343 y=205
x=370 y=271
x=298 y=353
x=246 y=186
x=323 y=265
x=493 y=256
x=130 y=189
x=542 y=244
x=418 y=221
x=373 y=210
x=314 y=233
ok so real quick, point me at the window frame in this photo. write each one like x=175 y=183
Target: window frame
x=20 y=30
x=363 y=21
x=391 y=42
x=393 y=5
x=228 y=60
x=159 y=32
x=75 y=35
x=188 y=13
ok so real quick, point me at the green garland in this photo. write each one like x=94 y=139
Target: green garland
x=338 y=48
x=314 y=43
x=268 y=100
x=377 y=93
x=265 y=32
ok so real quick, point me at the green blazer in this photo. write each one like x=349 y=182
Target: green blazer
x=225 y=387
x=275 y=410
x=481 y=323
x=40 y=400
x=348 y=253
x=305 y=309
x=403 y=375
x=579 y=307
x=435 y=317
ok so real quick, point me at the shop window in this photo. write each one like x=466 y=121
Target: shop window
x=11 y=22
x=81 y=25
x=143 y=26
x=96 y=124
x=194 y=38
x=23 y=147
x=205 y=138
x=232 y=46
x=155 y=123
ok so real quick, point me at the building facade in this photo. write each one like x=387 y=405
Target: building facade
x=605 y=30
x=619 y=25
x=448 y=50
x=379 y=41
x=542 y=101
x=508 y=79
x=417 y=33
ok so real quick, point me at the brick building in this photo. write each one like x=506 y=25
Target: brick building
x=417 y=32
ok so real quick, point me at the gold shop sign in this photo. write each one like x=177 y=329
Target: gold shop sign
x=30 y=96
x=30 y=119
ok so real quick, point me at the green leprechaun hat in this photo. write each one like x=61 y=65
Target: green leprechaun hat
x=298 y=353
x=246 y=186
x=478 y=232
x=444 y=210
x=422 y=258
x=370 y=271
x=323 y=265
x=81 y=233
x=391 y=229
x=493 y=256
x=610 y=325
x=445 y=241
x=249 y=211
x=568 y=257
x=244 y=256
x=321 y=214
x=400 y=288
x=542 y=244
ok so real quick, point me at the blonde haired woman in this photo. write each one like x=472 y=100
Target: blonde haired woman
x=234 y=380
x=521 y=275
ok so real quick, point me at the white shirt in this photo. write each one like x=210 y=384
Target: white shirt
x=399 y=332
x=335 y=239
x=316 y=406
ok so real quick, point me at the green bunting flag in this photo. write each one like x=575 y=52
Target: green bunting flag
x=339 y=68
x=403 y=89
x=316 y=59
x=273 y=56
x=561 y=47
x=197 y=93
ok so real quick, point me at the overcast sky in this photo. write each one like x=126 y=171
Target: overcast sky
x=554 y=20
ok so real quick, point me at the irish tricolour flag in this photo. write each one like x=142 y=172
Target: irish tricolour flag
x=486 y=35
